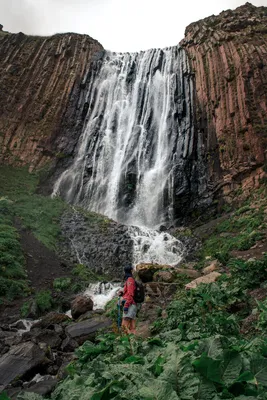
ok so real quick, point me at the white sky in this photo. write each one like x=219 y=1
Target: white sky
x=119 y=25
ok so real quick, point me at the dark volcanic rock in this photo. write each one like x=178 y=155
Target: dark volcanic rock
x=44 y=387
x=80 y=305
x=97 y=242
x=18 y=361
x=86 y=330
x=51 y=319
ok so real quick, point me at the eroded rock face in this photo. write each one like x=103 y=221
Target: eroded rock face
x=40 y=84
x=228 y=55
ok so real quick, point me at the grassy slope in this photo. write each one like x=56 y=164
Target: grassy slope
x=37 y=213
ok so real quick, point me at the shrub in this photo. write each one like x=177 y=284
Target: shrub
x=44 y=300
x=61 y=284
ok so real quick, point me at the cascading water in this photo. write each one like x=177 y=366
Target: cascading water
x=102 y=292
x=139 y=129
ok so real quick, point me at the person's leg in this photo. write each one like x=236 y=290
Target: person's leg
x=126 y=325
x=133 y=326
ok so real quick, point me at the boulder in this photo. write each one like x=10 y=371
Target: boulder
x=69 y=345
x=80 y=305
x=210 y=278
x=19 y=360
x=44 y=387
x=90 y=314
x=53 y=318
x=87 y=330
x=163 y=276
x=51 y=338
x=147 y=271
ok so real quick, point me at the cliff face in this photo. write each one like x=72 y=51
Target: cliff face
x=43 y=103
x=39 y=79
x=228 y=54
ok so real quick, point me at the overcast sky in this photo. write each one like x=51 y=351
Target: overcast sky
x=119 y=25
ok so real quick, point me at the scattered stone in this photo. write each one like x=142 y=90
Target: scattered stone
x=190 y=273
x=80 y=305
x=210 y=278
x=19 y=360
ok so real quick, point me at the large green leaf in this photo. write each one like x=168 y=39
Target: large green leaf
x=259 y=370
x=158 y=390
x=209 y=368
x=247 y=376
x=231 y=367
x=206 y=390
x=212 y=347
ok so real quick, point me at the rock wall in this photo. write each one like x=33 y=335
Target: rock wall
x=228 y=54
x=43 y=102
x=40 y=82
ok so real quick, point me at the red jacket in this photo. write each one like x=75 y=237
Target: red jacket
x=128 y=292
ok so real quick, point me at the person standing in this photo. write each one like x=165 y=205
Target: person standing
x=129 y=305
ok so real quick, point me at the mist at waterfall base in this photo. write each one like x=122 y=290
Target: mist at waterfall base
x=138 y=131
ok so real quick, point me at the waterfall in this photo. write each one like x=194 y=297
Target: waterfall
x=138 y=131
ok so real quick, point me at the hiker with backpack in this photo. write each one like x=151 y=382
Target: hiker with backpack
x=132 y=297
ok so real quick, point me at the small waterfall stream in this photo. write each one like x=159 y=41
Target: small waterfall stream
x=138 y=131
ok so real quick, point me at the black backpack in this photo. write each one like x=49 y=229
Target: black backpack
x=139 y=292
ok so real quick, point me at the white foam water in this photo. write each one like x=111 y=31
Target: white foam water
x=155 y=247
x=102 y=292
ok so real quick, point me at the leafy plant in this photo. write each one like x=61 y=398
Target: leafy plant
x=44 y=300
x=61 y=284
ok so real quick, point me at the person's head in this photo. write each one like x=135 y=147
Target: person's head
x=128 y=271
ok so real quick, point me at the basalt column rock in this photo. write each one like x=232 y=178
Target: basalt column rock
x=228 y=54
x=40 y=86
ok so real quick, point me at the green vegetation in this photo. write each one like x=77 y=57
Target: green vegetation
x=44 y=301
x=38 y=213
x=82 y=276
x=19 y=202
x=61 y=284
x=12 y=273
x=239 y=232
